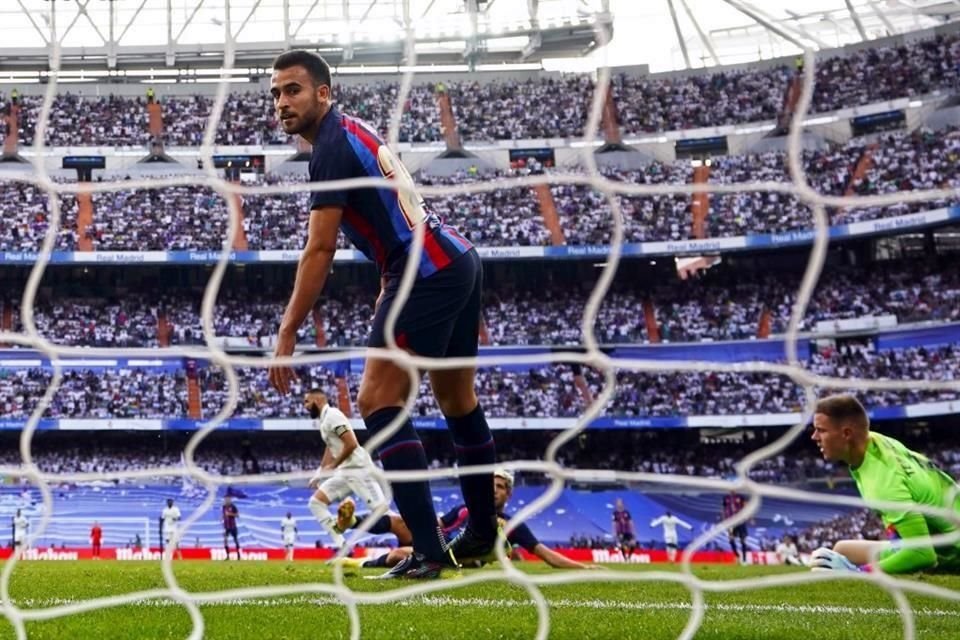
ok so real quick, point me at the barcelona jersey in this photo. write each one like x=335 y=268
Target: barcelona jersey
x=380 y=222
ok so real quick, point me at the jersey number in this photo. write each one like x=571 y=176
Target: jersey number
x=411 y=204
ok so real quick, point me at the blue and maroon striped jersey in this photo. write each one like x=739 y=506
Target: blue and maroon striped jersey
x=521 y=535
x=621 y=522
x=379 y=222
x=230 y=513
x=732 y=504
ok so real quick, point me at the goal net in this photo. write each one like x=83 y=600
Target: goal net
x=49 y=527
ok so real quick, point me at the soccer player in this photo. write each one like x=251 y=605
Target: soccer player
x=169 y=518
x=342 y=451
x=441 y=318
x=96 y=535
x=885 y=470
x=670 y=522
x=732 y=505
x=787 y=551
x=288 y=529
x=229 y=515
x=623 y=529
x=20 y=527
x=520 y=536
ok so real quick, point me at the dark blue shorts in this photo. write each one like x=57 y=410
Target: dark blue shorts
x=441 y=318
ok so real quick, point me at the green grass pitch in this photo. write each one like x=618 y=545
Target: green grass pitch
x=841 y=610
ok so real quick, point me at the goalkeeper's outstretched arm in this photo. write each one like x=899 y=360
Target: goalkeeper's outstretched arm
x=912 y=528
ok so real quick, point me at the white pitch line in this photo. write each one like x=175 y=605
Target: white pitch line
x=562 y=603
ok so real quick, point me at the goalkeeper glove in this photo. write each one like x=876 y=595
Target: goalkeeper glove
x=824 y=559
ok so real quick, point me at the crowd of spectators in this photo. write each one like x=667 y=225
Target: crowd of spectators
x=862 y=524
x=546 y=107
x=505 y=392
x=901 y=162
x=95 y=393
x=164 y=219
x=190 y=217
x=98 y=322
x=231 y=453
x=25 y=218
x=722 y=305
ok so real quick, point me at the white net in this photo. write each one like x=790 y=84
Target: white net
x=590 y=355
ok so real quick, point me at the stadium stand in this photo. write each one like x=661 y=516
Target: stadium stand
x=723 y=304
x=541 y=108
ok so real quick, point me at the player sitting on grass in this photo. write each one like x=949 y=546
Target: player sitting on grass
x=885 y=470
x=521 y=535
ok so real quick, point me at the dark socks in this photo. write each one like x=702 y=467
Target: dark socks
x=403 y=451
x=379 y=561
x=474 y=445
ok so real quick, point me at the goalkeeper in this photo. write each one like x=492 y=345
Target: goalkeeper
x=885 y=470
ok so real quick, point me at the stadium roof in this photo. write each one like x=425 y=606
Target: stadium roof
x=663 y=34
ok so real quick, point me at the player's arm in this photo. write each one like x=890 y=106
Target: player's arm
x=557 y=560
x=685 y=525
x=313 y=267
x=656 y=523
x=913 y=527
x=350 y=444
x=524 y=537
x=312 y=270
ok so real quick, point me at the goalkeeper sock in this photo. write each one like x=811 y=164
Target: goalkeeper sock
x=379 y=561
x=474 y=445
x=325 y=518
x=403 y=451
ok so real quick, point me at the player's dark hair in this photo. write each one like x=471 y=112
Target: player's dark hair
x=316 y=390
x=315 y=65
x=843 y=409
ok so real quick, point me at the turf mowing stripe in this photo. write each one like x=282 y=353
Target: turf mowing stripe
x=443 y=601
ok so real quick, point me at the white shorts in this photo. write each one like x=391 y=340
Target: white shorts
x=18 y=541
x=167 y=538
x=289 y=540
x=670 y=542
x=367 y=489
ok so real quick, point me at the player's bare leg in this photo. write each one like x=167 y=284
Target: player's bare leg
x=455 y=391
x=399 y=528
x=860 y=552
x=319 y=505
x=383 y=393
